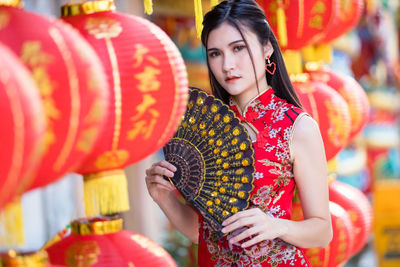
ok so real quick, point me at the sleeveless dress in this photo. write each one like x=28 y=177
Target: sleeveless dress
x=274 y=120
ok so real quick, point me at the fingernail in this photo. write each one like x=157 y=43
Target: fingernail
x=223 y=230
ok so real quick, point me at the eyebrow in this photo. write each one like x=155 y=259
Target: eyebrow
x=231 y=43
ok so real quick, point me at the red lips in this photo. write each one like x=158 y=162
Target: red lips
x=231 y=78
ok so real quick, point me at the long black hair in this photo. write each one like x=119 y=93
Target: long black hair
x=247 y=13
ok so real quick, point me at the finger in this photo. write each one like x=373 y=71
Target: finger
x=237 y=216
x=158 y=170
x=160 y=180
x=245 y=234
x=167 y=165
x=254 y=240
x=246 y=221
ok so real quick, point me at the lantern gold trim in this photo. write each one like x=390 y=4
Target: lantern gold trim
x=36 y=259
x=97 y=226
x=87 y=8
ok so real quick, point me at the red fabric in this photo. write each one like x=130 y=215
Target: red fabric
x=273 y=191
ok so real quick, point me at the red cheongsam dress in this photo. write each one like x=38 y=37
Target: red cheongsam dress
x=274 y=120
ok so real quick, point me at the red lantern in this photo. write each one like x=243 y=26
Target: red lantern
x=102 y=242
x=330 y=111
x=71 y=82
x=305 y=20
x=353 y=94
x=338 y=251
x=22 y=125
x=348 y=15
x=358 y=207
x=148 y=87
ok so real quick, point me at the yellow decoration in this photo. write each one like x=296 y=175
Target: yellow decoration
x=11 y=224
x=209 y=203
x=83 y=227
x=106 y=193
x=225 y=178
x=13 y=3
x=87 y=8
x=319 y=53
x=225 y=213
x=148 y=7
x=234 y=210
x=14 y=259
x=217 y=201
x=281 y=24
x=241 y=194
x=198 y=14
x=245 y=179
x=293 y=61
x=232 y=200
x=213 y=3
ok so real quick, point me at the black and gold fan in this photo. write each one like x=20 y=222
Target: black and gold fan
x=214 y=158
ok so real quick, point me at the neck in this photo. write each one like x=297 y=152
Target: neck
x=244 y=99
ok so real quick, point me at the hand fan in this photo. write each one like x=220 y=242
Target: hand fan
x=214 y=158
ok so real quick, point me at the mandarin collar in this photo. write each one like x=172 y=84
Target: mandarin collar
x=261 y=98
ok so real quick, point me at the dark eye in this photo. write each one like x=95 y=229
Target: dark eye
x=238 y=48
x=213 y=54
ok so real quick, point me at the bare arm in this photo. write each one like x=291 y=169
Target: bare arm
x=310 y=172
x=182 y=216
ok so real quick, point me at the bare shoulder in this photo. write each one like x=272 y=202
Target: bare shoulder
x=305 y=128
x=306 y=137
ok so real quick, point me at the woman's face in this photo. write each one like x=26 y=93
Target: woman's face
x=230 y=61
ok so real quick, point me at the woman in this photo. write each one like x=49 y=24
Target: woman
x=247 y=72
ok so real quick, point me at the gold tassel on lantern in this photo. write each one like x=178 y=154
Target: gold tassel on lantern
x=11 y=224
x=198 y=14
x=106 y=193
x=281 y=24
x=148 y=7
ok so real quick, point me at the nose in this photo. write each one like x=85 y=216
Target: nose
x=229 y=63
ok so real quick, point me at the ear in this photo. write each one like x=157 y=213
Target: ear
x=268 y=50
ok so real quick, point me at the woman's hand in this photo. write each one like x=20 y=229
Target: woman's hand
x=157 y=186
x=258 y=227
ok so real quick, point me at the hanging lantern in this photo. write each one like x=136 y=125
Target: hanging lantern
x=148 y=88
x=338 y=250
x=297 y=23
x=22 y=125
x=347 y=17
x=102 y=242
x=329 y=110
x=71 y=83
x=353 y=94
x=358 y=207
